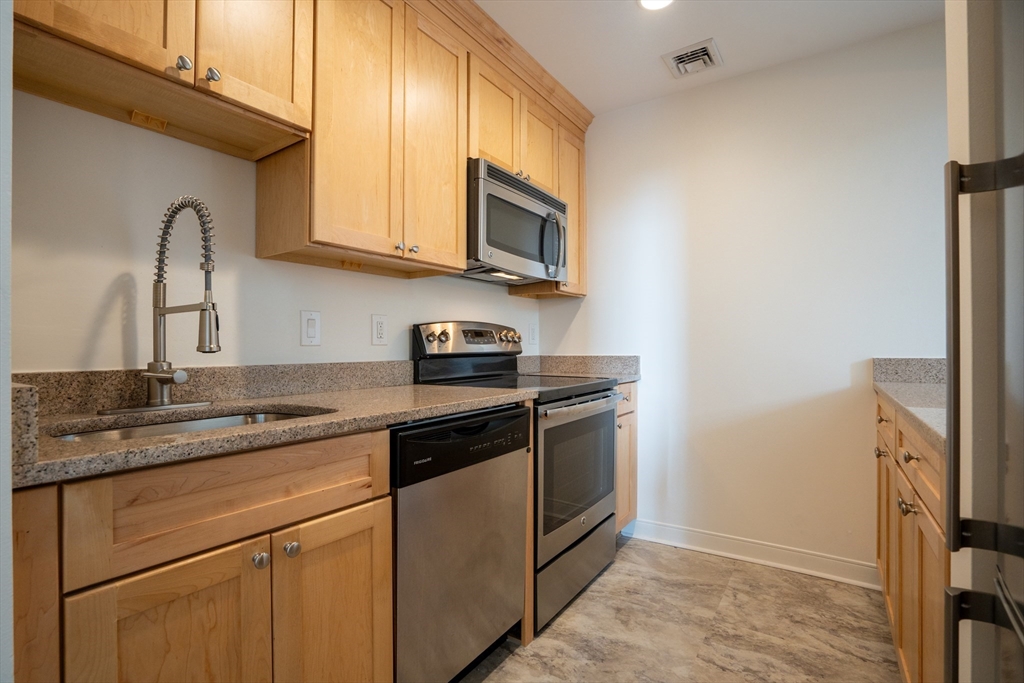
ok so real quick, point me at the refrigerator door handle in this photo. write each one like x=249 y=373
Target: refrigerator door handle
x=972 y=606
x=968 y=179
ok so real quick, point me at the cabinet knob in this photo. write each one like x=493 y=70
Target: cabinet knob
x=261 y=560
x=619 y=425
x=907 y=457
x=183 y=63
x=519 y=173
x=400 y=246
x=292 y=549
x=527 y=177
x=881 y=420
x=905 y=507
x=879 y=452
x=212 y=74
x=414 y=249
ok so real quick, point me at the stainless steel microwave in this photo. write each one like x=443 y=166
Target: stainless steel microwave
x=517 y=231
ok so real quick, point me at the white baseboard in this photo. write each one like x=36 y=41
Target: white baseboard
x=748 y=550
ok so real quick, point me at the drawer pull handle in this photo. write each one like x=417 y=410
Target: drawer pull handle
x=882 y=420
x=261 y=560
x=879 y=452
x=292 y=549
x=625 y=397
x=907 y=457
x=905 y=507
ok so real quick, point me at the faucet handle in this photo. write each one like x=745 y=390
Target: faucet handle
x=167 y=376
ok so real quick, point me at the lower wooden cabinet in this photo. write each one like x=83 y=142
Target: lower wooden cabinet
x=913 y=562
x=332 y=597
x=626 y=459
x=207 y=618
x=308 y=603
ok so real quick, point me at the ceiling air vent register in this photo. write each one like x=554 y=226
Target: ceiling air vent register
x=693 y=58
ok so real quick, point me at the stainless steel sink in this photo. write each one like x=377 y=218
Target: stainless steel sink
x=183 y=427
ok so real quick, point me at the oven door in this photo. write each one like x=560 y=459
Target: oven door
x=516 y=234
x=575 y=470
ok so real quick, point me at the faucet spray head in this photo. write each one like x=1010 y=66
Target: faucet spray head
x=209 y=331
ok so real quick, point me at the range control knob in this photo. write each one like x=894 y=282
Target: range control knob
x=431 y=338
x=503 y=336
x=518 y=337
x=444 y=336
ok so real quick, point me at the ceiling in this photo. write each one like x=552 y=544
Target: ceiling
x=608 y=52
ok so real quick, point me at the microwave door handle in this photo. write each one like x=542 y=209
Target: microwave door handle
x=560 y=252
x=551 y=269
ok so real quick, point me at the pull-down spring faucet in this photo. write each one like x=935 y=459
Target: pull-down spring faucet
x=160 y=375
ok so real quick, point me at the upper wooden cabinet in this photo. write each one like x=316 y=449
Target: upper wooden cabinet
x=435 y=144
x=387 y=163
x=259 y=54
x=358 y=118
x=495 y=124
x=150 y=34
x=540 y=146
x=511 y=130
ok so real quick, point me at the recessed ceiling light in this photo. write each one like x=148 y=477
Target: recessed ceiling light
x=654 y=4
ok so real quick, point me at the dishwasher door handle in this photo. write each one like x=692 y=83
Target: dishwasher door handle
x=580 y=408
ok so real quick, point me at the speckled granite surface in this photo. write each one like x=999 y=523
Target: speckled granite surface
x=24 y=429
x=923 y=406
x=604 y=366
x=329 y=414
x=915 y=370
x=61 y=393
x=528 y=365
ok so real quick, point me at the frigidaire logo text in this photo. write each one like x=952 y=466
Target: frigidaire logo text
x=420 y=462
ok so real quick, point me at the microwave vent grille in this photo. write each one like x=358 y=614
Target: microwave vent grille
x=693 y=58
x=500 y=175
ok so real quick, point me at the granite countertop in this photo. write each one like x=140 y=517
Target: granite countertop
x=921 y=404
x=327 y=414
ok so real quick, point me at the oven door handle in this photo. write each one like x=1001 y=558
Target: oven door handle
x=588 y=407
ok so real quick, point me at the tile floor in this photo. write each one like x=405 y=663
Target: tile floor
x=660 y=613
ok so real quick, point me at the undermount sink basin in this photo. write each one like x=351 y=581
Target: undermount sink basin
x=183 y=427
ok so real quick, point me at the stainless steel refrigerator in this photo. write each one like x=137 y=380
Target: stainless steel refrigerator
x=985 y=342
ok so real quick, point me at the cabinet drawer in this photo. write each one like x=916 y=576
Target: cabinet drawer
x=885 y=419
x=628 y=402
x=924 y=467
x=126 y=522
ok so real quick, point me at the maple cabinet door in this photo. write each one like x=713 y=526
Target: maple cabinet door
x=258 y=54
x=206 y=618
x=151 y=34
x=436 y=75
x=357 y=116
x=332 y=597
x=494 y=123
x=540 y=145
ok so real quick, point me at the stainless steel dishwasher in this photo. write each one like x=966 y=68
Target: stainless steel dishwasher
x=459 y=495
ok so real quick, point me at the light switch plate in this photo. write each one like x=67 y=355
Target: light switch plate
x=309 y=328
x=379 y=330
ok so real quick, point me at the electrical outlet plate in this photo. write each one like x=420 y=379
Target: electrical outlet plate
x=309 y=328
x=534 y=337
x=379 y=330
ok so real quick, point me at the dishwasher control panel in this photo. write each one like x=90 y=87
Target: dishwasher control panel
x=436 y=447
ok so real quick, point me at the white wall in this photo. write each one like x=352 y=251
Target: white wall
x=772 y=234
x=89 y=196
